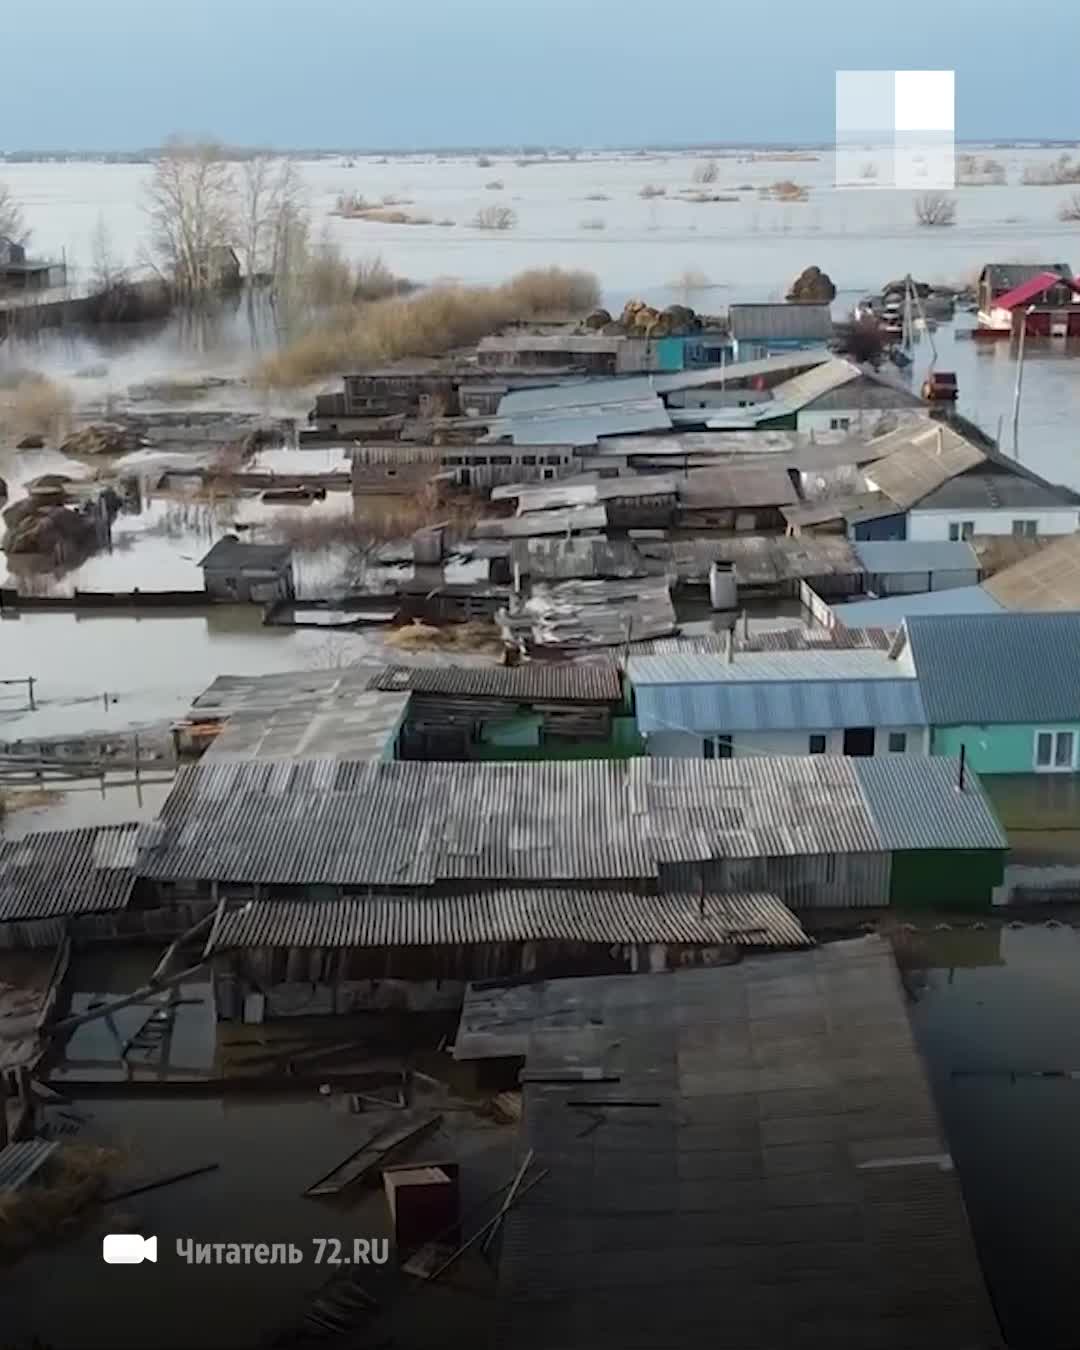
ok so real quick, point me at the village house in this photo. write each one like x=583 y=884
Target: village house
x=830 y=702
x=18 y=271
x=1001 y=688
x=256 y=573
x=1004 y=288
x=838 y=395
x=759 y=330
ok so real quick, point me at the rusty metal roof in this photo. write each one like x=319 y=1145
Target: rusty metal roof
x=512 y=915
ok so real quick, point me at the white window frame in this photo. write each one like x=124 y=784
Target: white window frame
x=1054 y=733
x=1029 y=529
x=960 y=526
x=839 y=423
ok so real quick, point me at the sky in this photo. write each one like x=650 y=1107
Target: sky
x=414 y=74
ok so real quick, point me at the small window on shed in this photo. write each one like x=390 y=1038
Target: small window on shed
x=897 y=742
x=817 y=745
x=839 y=423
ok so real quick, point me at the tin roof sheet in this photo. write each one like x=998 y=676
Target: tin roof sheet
x=913 y=555
x=592 y=682
x=891 y=611
x=67 y=872
x=998 y=668
x=1048 y=580
x=779 y=705
x=511 y=915
x=761 y=485
x=780 y=321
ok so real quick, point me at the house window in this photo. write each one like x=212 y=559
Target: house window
x=1055 y=751
x=897 y=742
x=501 y=459
x=817 y=745
x=961 y=529
x=839 y=423
x=1025 y=529
x=718 y=747
x=528 y=459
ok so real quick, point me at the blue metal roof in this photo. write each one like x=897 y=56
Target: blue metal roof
x=998 y=668
x=916 y=803
x=779 y=705
x=894 y=609
x=914 y=555
x=682 y=667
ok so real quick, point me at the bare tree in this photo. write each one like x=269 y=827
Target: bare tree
x=495 y=218
x=1070 y=208
x=273 y=214
x=12 y=224
x=189 y=203
x=106 y=271
x=708 y=171
x=935 y=208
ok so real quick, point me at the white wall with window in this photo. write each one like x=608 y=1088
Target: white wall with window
x=857 y=740
x=958 y=525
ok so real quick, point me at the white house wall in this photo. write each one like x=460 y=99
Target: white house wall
x=687 y=745
x=934 y=525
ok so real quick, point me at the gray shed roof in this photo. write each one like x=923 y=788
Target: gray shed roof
x=780 y=322
x=791 y=1185
x=584 y=683
x=579 y=425
x=762 y=485
x=912 y=555
x=234 y=555
x=917 y=462
x=999 y=485
x=67 y=872
x=510 y=915
x=1004 y=276
x=407 y=825
x=998 y=668
x=894 y=609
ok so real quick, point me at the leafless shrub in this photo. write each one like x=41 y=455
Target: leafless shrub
x=934 y=209
x=12 y=224
x=349 y=204
x=594 y=223
x=34 y=405
x=864 y=341
x=1070 y=208
x=496 y=185
x=429 y=324
x=373 y=280
x=708 y=171
x=482 y=162
x=1061 y=171
x=495 y=218
x=651 y=190
x=381 y=216
x=973 y=172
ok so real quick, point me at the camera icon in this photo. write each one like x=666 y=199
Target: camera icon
x=127 y=1249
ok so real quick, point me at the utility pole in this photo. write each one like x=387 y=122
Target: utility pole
x=1019 y=384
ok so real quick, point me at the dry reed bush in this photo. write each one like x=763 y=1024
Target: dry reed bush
x=75 y=1178
x=934 y=209
x=377 y=519
x=475 y=636
x=429 y=324
x=495 y=218
x=708 y=171
x=34 y=405
x=1070 y=209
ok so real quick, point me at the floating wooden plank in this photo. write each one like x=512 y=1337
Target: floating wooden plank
x=386 y=1142
x=161 y=1181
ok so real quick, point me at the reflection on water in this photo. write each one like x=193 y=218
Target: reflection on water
x=991 y=1004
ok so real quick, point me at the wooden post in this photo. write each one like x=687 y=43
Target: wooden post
x=30 y=689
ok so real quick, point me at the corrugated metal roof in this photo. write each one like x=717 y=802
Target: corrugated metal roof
x=913 y=555
x=759 y=560
x=587 y=490
x=787 y=705
x=592 y=682
x=234 y=555
x=1032 y=287
x=579 y=558
x=851 y=507
x=894 y=609
x=998 y=668
x=513 y=916
x=19 y=1162
x=67 y=872
x=990 y=488
x=688 y=668
x=907 y=800
x=579 y=426
x=781 y=321
x=407 y=825
x=803 y=389
x=1048 y=580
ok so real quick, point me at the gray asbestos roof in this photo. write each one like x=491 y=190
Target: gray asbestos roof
x=232 y=555
x=780 y=322
x=894 y=609
x=406 y=825
x=1048 y=580
x=911 y=555
x=789 y=1185
x=1007 y=487
x=67 y=872
x=762 y=485
x=505 y=915
x=998 y=668
x=595 y=682
x=363 y=727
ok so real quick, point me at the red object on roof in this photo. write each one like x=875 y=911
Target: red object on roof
x=1028 y=290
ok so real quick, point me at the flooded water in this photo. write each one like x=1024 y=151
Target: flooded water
x=994 y=1008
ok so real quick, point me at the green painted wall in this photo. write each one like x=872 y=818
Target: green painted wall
x=945 y=878
x=623 y=743
x=994 y=749
x=670 y=353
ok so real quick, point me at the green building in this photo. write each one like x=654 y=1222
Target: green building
x=1002 y=688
